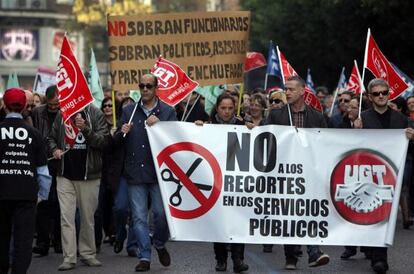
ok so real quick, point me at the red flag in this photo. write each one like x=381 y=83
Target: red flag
x=254 y=60
x=288 y=71
x=74 y=93
x=355 y=83
x=378 y=64
x=173 y=83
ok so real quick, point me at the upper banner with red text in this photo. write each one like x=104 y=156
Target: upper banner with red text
x=209 y=46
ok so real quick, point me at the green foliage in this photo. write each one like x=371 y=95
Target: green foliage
x=328 y=34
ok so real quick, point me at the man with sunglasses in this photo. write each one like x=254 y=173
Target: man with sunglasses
x=381 y=117
x=336 y=120
x=139 y=170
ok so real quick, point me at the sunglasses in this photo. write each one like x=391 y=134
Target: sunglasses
x=107 y=105
x=276 y=101
x=378 y=93
x=148 y=86
x=344 y=100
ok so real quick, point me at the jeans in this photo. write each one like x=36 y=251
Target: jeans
x=291 y=251
x=121 y=212
x=138 y=198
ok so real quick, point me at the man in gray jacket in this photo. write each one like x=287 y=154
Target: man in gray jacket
x=78 y=180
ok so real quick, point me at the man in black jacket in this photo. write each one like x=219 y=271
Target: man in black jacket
x=22 y=169
x=43 y=118
x=78 y=180
x=381 y=117
x=297 y=113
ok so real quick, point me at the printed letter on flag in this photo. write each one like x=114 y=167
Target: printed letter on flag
x=173 y=84
x=378 y=64
x=74 y=93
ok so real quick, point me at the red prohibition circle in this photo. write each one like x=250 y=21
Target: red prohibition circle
x=206 y=203
x=363 y=157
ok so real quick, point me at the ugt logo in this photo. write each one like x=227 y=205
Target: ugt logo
x=166 y=74
x=362 y=187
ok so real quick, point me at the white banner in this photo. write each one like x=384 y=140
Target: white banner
x=278 y=184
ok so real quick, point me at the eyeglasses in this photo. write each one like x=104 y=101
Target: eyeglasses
x=275 y=101
x=344 y=100
x=107 y=105
x=148 y=86
x=378 y=93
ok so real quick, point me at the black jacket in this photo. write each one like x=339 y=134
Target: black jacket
x=97 y=137
x=313 y=118
x=138 y=163
x=370 y=120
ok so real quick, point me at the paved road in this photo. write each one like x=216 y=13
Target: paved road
x=194 y=257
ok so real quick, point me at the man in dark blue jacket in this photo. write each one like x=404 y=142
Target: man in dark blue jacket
x=140 y=172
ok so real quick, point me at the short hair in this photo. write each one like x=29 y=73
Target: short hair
x=377 y=82
x=51 y=92
x=322 y=89
x=259 y=98
x=155 y=78
x=347 y=92
x=297 y=79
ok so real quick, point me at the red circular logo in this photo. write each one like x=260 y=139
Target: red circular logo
x=66 y=78
x=183 y=179
x=362 y=187
x=166 y=75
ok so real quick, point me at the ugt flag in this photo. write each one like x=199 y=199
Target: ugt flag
x=309 y=96
x=355 y=82
x=378 y=64
x=73 y=90
x=173 y=83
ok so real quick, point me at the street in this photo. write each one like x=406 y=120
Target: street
x=197 y=257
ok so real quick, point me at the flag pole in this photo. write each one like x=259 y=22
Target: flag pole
x=241 y=91
x=283 y=81
x=192 y=107
x=265 y=83
x=113 y=110
x=132 y=116
x=186 y=106
x=336 y=92
x=363 y=72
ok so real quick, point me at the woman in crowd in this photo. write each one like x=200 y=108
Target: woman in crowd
x=257 y=109
x=225 y=113
x=38 y=99
x=103 y=215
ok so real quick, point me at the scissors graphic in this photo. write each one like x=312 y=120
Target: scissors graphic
x=168 y=176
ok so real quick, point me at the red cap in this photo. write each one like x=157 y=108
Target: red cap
x=14 y=99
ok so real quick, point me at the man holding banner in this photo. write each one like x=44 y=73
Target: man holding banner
x=297 y=113
x=381 y=117
x=140 y=172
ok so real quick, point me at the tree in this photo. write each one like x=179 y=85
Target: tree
x=326 y=35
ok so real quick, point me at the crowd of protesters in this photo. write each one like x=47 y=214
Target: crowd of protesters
x=105 y=190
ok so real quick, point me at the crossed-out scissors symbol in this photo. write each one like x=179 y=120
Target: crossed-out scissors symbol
x=168 y=176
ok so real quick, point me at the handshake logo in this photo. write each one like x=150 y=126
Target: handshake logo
x=359 y=192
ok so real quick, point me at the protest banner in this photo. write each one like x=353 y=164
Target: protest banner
x=279 y=184
x=209 y=46
x=45 y=77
